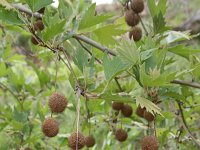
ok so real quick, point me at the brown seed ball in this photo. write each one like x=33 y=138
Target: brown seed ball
x=140 y=111
x=41 y=11
x=131 y=18
x=149 y=143
x=135 y=34
x=137 y=6
x=117 y=105
x=50 y=127
x=57 y=102
x=39 y=25
x=121 y=135
x=73 y=140
x=127 y=110
x=148 y=116
x=34 y=41
x=90 y=141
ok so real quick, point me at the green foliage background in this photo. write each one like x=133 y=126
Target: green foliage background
x=28 y=75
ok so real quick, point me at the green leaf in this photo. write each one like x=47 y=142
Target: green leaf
x=175 y=95
x=42 y=75
x=113 y=67
x=53 y=30
x=105 y=35
x=174 y=36
x=117 y=98
x=3 y=69
x=158 y=11
x=5 y=4
x=65 y=10
x=183 y=51
x=81 y=58
x=89 y=19
x=128 y=52
x=9 y=16
x=150 y=107
x=36 y=5
x=157 y=8
x=159 y=80
x=159 y=23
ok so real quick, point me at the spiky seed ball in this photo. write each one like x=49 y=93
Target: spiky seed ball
x=121 y=135
x=34 y=41
x=39 y=25
x=140 y=111
x=135 y=34
x=41 y=11
x=149 y=143
x=117 y=105
x=73 y=141
x=90 y=141
x=131 y=18
x=137 y=6
x=148 y=116
x=127 y=110
x=57 y=102
x=50 y=127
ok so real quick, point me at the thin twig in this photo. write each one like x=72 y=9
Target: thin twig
x=99 y=61
x=184 y=124
x=12 y=93
x=146 y=32
x=118 y=84
x=78 y=115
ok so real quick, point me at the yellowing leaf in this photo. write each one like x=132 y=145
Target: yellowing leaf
x=150 y=106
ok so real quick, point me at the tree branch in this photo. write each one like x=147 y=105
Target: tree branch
x=186 y=83
x=27 y=11
x=94 y=44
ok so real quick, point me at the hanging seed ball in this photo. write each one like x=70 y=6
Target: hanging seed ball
x=121 y=135
x=73 y=141
x=148 y=116
x=127 y=110
x=34 y=41
x=50 y=127
x=41 y=11
x=135 y=34
x=140 y=111
x=117 y=105
x=131 y=18
x=137 y=6
x=57 y=102
x=39 y=25
x=90 y=141
x=149 y=143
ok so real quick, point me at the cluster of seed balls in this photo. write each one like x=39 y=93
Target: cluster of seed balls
x=148 y=142
x=120 y=134
x=50 y=127
x=132 y=18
